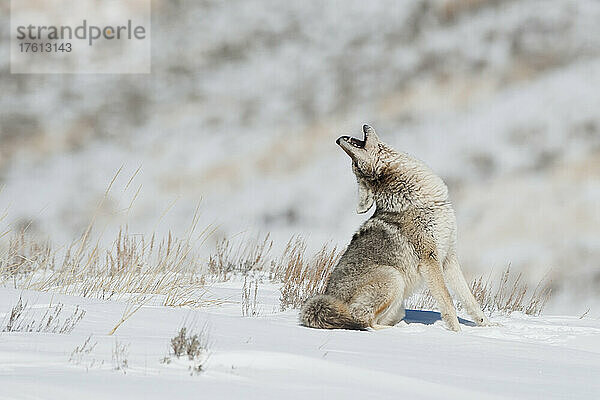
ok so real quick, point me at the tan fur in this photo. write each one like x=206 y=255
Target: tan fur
x=411 y=237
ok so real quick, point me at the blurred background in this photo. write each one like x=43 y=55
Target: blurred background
x=246 y=98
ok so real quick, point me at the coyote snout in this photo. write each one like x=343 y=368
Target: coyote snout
x=411 y=237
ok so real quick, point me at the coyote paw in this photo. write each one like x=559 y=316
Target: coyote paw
x=452 y=323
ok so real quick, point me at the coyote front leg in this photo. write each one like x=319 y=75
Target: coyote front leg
x=457 y=282
x=432 y=272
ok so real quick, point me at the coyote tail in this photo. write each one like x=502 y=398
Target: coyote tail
x=326 y=312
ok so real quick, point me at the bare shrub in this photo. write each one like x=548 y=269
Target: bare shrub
x=194 y=346
x=303 y=277
x=250 y=307
x=506 y=295
x=229 y=259
x=179 y=343
x=24 y=319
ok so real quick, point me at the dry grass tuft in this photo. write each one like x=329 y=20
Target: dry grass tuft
x=23 y=318
x=303 y=277
x=421 y=300
x=229 y=259
x=506 y=295
x=250 y=307
x=80 y=353
x=120 y=353
x=23 y=256
x=511 y=294
x=133 y=268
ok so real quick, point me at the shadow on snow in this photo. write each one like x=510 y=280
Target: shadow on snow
x=428 y=317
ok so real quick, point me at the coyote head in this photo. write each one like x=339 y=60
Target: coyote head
x=372 y=162
x=394 y=180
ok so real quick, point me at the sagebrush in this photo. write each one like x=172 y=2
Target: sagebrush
x=193 y=346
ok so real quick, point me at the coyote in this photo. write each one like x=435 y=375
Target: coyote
x=410 y=237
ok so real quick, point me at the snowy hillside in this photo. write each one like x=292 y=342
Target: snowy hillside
x=270 y=356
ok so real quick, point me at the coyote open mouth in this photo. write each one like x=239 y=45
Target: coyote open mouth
x=359 y=144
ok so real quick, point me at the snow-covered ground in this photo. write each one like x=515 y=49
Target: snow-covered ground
x=270 y=356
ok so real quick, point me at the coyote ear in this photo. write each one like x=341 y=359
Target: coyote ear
x=370 y=133
x=365 y=197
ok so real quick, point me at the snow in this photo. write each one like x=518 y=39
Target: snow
x=270 y=356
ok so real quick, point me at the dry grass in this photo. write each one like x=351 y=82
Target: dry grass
x=133 y=265
x=120 y=353
x=247 y=256
x=23 y=256
x=130 y=309
x=250 y=306
x=80 y=353
x=23 y=318
x=421 y=300
x=137 y=270
x=505 y=294
x=302 y=276
x=511 y=294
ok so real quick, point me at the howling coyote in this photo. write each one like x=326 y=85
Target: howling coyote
x=411 y=235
